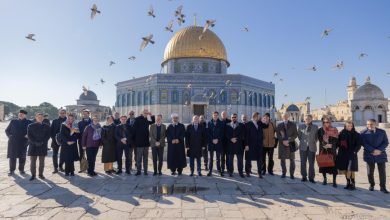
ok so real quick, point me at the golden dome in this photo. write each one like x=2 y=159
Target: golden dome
x=186 y=44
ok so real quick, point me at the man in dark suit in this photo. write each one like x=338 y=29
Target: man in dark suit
x=133 y=149
x=225 y=120
x=234 y=133
x=85 y=121
x=254 y=143
x=124 y=139
x=375 y=142
x=195 y=141
x=157 y=142
x=205 y=153
x=17 y=142
x=54 y=130
x=215 y=133
x=141 y=139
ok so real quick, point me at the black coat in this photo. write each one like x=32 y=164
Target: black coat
x=123 y=131
x=195 y=140
x=334 y=142
x=215 y=132
x=117 y=121
x=141 y=131
x=17 y=141
x=238 y=132
x=176 y=152
x=55 y=129
x=38 y=135
x=69 y=153
x=349 y=145
x=254 y=139
x=82 y=125
x=109 y=144
x=224 y=140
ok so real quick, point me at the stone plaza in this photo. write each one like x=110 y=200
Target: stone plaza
x=184 y=197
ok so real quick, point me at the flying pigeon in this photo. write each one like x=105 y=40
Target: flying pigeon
x=31 y=37
x=146 y=41
x=313 y=68
x=169 y=26
x=132 y=58
x=276 y=74
x=180 y=20
x=112 y=63
x=326 y=32
x=151 y=11
x=178 y=12
x=362 y=55
x=94 y=10
x=209 y=23
x=102 y=81
x=246 y=29
x=339 y=65
x=307 y=98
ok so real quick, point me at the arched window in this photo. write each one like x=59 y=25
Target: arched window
x=123 y=100
x=118 y=100
x=186 y=98
x=211 y=94
x=128 y=99
x=146 y=97
x=223 y=97
x=175 y=97
x=245 y=98
x=250 y=98
x=273 y=101
x=265 y=100
x=139 y=98
x=163 y=96
x=133 y=98
x=151 y=100
x=233 y=97
x=260 y=100
x=255 y=99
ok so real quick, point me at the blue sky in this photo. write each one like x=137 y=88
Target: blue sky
x=285 y=37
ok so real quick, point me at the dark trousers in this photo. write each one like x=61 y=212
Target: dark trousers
x=142 y=158
x=382 y=174
x=218 y=160
x=33 y=165
x=306 y=156
x=268 y=151
x=192 y=164
x=157 y=154
x=240 y=165
x=248 y=166
x=284 y=167
x=133 y=153
x=69 y=167
x=205 y=155
x=119 y=153
x=224 y=160
x=91 y=157
x=81 y=150
x=56 y=149
x=12 y=164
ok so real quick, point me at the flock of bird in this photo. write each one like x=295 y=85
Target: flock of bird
x=180 y=18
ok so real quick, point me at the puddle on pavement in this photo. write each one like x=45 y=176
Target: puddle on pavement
x=172 y=189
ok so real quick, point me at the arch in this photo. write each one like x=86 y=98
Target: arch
x=186 y=100
x=139 y=98
x=223 y=97
x=128 y=99
x=146 y=97
x=163 y=96
x=175 y=97
x=265 y=100
x=123 y=102
x=255 y=99
x=233 y=97
x=260 y=100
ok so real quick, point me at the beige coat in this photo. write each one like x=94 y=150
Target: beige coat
x=153 y=135
x=269 y=135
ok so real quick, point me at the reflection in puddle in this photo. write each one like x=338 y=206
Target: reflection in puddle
x=172 y=189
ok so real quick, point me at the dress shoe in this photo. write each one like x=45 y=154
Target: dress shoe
x=61 y=169
x=292 y=177
x=138 y=173
x=192 y=174
x=248 y=175
x=173 y=173
x=55 y=171
x=263 y=173
x=22 y=172
x=312 y=181
x=179 y=173
x=128 y=172
x=271 y=173
x=209 y=174
x=32 y=178
x=283 y=176
x=11 y=173
x=66 y=174
x=371 y=188
x=334 y=185
x=154 y=173
x=260 y=176
x=108 y=172
x=42 y=177
x=222 y=174
x=119 y=172
x=200 y=174
x=159 y=173
x=230 y=174
x=145 y=173
x=304 y=179
x=72 y=173
x=325 y=182
x=242 y=175
x=384 y=190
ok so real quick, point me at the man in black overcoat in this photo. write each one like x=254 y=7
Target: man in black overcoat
x=195 y=141
x=234 y=134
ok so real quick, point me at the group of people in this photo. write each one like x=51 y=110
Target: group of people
x=222 y=137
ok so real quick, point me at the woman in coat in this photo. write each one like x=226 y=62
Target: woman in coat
x=328 y=139
x=346 y=160
x=92 y=139
x=69 y=134
x=109 y=145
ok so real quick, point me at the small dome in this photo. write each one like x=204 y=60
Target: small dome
x=88 y=95
x=368 y=91
x=292 y=108
x=186 y=44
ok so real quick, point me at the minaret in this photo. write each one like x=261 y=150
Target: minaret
x=351 y=88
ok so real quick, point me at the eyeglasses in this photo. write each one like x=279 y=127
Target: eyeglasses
x=326 y=122
x=370 y=124
x=234 y=117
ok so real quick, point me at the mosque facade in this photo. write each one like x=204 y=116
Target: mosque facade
x=195 y=81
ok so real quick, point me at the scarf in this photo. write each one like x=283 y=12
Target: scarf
x=72 y=126
x=330 y=132
x=97 y=130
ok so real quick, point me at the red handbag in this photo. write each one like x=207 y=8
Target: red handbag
x=325 y=159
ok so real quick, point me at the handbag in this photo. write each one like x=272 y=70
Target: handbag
x=293 y=146
x=325 y=159
x=83 y=164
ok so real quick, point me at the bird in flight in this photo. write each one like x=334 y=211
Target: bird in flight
x=326 y=32
x=151 y=11
x=112 y=63
x=246 y=29
x=146 y=41
x=31 y=37
x=102 y=81
x=307 y=98
x=313 y=68
x=276 y=74
x=228 y=82
x=94 y=10
x=179 y=15
x=132 y=58
x=339 y=65
x=362 y=55
x=209 y=23
x=85 y=90
x=169 y=26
